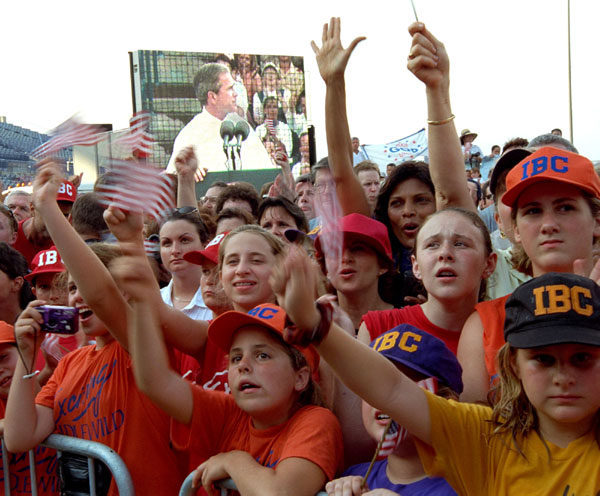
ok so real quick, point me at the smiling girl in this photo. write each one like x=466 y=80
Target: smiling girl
x=267 y=435
x=111 y=409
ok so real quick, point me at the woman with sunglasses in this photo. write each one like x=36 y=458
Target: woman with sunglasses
x=181 y=232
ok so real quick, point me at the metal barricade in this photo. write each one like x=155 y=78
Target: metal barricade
x=225 y=484
x=89 y=449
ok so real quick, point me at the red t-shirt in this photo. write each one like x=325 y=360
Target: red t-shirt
x=94 y=396
x=219 y=425
x=381 y=321
x=48 y=483
x=210 y=372
x=26 y=247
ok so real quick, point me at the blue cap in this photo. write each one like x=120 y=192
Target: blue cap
x=418 y=350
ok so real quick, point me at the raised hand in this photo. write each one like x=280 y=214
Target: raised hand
x=186 y=163
x=126 y=226
x=28 y=332
x=48 y=179
x=427 y=58
x=294 y=282
x=332 y=57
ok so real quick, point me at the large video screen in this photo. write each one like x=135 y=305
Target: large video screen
x=268 y=93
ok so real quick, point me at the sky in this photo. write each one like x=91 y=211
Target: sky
x=509 y=60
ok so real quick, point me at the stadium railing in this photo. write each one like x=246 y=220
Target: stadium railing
x=89 y=449
x=225 y=484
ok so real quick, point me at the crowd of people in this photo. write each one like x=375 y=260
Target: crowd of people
x=422 y=331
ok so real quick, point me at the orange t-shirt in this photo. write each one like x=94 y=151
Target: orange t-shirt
x=219 y=425
x=94 y=396
x=48 y=483
x=492 y=314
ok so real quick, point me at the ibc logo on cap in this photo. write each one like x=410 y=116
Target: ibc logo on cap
x=539 y=165
x=408 y=341
x=264 y=312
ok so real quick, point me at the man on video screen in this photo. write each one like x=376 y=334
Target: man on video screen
x=214 y=89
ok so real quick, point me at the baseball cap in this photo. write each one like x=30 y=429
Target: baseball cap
x=553 y=309
x=551 y=164
x=45 y=262
x=420 y=351
x=209 y=254
x=66 y=192
x=7 y=333
x=369 y=231
x=268 y=315
x=505 y=163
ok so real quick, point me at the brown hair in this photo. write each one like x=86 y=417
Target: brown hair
x=520 y=260
x=366 y=165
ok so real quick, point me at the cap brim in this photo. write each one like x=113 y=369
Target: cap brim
x=505 y=163
x=368 y=240
x=511 y=196
x=198 y=257
x=548 y=336
x=223 y=328
x=29 y=277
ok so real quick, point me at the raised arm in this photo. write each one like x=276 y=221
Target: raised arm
x=429 y=62
x=182 y=332
x=396 y=394
x=153 y=375
x=25 y=423
x=186 y=165
x=91 y=276
x=332 y=59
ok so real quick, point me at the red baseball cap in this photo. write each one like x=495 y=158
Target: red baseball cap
x=209 y=254
x=7 y=333
x=268 y=315
x=367 y=230
x=44 y=262
x=551 y=164
x=66 y=192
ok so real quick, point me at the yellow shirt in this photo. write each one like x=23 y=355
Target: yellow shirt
x=475 y=463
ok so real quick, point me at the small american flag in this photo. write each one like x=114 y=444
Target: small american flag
x=327 y=208
x=389 y=441
x=69 y=133
x=139 y=188
x=136 y=140
x=396 y=434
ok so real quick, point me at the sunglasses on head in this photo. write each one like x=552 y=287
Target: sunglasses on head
x=184 y=210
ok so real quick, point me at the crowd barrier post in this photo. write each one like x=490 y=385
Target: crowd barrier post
x=224 y=485
x=89 y=449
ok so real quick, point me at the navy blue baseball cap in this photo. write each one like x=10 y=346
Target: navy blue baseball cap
x=553 y=309
x=420 y=351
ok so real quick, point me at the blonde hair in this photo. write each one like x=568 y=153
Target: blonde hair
x=512 y=411
x=276 y=244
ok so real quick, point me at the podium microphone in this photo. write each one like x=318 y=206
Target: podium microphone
x=226 y=131
x=241 y=131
